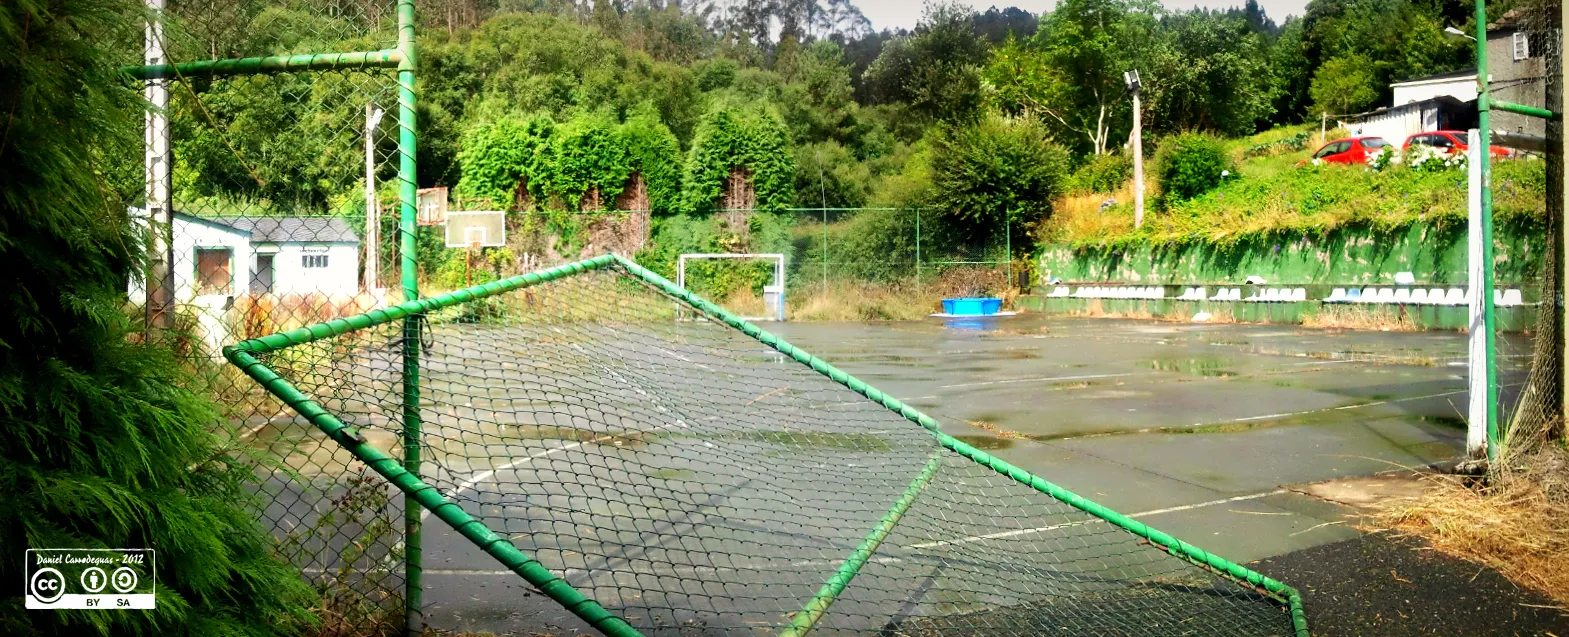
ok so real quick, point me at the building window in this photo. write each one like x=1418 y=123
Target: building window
x=313 y=261
x=213 y=273
x=1522 y=46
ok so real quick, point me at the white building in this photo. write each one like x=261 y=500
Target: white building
x=219 y=258
x=1460 y=85
x=1395 y=123
x=230 y=256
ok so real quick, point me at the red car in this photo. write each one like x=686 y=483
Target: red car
x=1450 y=142
x=1350 y=150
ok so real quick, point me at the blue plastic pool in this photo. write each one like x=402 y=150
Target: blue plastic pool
x=976 y=306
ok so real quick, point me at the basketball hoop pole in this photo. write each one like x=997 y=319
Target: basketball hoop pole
x=468 y=264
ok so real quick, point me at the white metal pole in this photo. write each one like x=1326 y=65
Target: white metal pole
x=372 y=206
x=160 y=214
x=1476 y=413
x=1138 y=161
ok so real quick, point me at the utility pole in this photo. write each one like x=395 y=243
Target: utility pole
x=1137 y=141
x=159 y=296
x=373 y=115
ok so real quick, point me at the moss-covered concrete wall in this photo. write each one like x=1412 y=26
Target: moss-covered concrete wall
x=1351 y=256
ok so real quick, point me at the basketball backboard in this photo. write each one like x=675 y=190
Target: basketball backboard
x=432 y=205
x=486 y=229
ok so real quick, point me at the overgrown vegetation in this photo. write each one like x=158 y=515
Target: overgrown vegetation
x=1271 y=195
x=106 y=447
x=1190 y=165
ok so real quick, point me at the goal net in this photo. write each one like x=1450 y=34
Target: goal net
x=659 y=476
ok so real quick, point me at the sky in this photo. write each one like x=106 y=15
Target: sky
x=896 y=14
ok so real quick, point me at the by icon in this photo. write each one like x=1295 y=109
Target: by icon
x=94 y=579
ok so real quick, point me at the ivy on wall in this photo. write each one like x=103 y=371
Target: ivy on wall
x=752 y=138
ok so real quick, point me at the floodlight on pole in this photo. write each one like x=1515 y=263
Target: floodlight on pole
x=1463 y=34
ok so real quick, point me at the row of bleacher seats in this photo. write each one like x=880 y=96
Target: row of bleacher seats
x=1419 y=296
x=1381 y=295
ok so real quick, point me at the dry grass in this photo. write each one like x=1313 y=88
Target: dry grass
x=1082 y=215
x=1518 y=524
x=1359 y=318
x=998 y=431
x=848 y=301
x=895 y=301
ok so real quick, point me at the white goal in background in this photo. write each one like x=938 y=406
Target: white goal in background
x=773 y=295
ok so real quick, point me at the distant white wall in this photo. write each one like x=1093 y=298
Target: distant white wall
x=1460 y=88
x=290 y=276
x=1394 y=124
x=190 y=236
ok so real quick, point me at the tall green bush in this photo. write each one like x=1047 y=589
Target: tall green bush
x=750 y=137
x=655 y=154
x=994 y=171
x=585 y=154
x=105 y=446
x=1189 y=165
x=1102 y=173
x=499 y=156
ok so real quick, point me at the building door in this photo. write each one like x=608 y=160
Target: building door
x=261 y=282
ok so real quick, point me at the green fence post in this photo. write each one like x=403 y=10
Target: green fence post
x=1489 y=318
x=408 y=139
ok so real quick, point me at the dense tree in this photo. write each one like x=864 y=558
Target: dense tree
x=994 y=171
x=1344 y=85
x=997 y=25
x=106 y=447
x=936 y=70
x=1209 y=72
x=1070 y=73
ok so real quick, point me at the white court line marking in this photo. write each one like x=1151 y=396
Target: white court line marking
x=1141 y=514
x=1345 y=407
x=925 y=545
x=1046 y=379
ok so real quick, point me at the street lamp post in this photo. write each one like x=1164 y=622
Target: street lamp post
x=1137 y=141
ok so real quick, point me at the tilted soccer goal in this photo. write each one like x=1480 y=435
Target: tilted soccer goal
x=657 y=476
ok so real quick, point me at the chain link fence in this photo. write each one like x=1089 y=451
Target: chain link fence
x=272 y=172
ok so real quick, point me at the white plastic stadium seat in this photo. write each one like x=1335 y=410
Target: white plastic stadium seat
x=1336 y=296
x=1385 y=295
x=1220 y=295
x=1419 y=296
x=1369 y=295
x=1402 y=295
x=1235 y=295
x=1299 y=294
x=1435 y=296
x=1455 y=296
x=1512 y=298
